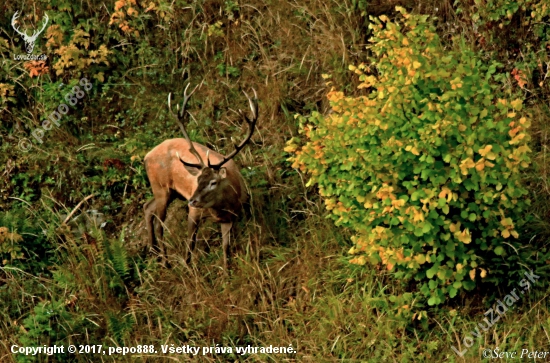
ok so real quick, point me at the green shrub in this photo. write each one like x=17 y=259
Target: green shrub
x=425 y=168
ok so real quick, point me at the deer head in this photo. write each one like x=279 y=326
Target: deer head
x=211 y=177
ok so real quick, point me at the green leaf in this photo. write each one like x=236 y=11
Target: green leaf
x=452 y=292
x=499 y=251
x=432 y=271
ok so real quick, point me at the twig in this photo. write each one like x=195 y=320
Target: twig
x=75 y=208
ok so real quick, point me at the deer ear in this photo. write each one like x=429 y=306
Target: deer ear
x=222 y=173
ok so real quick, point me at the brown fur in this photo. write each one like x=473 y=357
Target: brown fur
x=169 y=178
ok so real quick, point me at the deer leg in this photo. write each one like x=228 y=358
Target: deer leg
x=193 y=221
x=159 y=208
x=149 y=210
x=226 y=237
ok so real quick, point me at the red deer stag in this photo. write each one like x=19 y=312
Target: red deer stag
x=214 y=190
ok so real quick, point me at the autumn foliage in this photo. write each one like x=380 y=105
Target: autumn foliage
x=425 y=168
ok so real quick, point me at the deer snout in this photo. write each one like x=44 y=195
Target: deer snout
x=194 y=202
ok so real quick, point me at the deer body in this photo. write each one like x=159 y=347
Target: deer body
x=213 y=191
x=166 y=171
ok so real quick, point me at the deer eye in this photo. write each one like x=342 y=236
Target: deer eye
x=213 y=183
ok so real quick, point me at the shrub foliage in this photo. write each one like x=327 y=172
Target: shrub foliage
x=425 y=168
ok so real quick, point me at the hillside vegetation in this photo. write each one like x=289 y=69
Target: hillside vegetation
x=290 y=281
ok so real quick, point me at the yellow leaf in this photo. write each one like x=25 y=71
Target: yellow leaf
x=399 y=256
x=454 y=227
x=483 y=273
x=290 y=148
x=465 y=165
x=421 y=259
x=464 y=236
x=418 y=215
x=358 y=260
x=517 y=104
x=398 y=203
x=119 y=4
x=446 y=192
x=505 y=233
x=473 y=274
x=485 y=150
x=480 y=166
x=416 y=65
x=517 y=139
x=99 y=76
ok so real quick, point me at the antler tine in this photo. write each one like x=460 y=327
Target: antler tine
x=181 y=117
x=170 y=106
x=186 y=98
x=253 y=105
x=251 y=127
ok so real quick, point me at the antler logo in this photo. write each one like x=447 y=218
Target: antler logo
x=29 y=40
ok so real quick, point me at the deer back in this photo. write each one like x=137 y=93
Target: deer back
x=166 y=171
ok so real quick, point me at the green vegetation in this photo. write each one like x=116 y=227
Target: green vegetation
x=445 y=138
x=427 y=168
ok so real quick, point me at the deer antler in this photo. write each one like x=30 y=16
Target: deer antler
x=180 y=118
x=251 y=126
